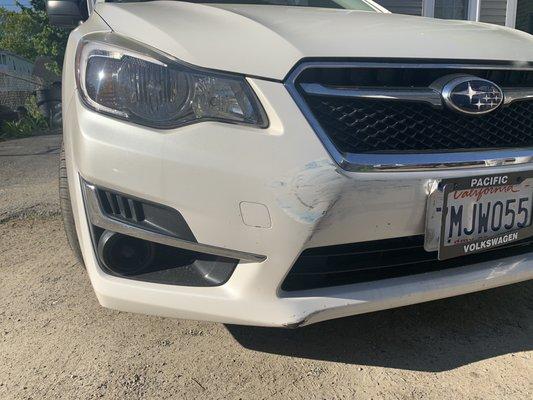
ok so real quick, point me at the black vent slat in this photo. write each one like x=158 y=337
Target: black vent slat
x=370 y=260
x=139 y=211
x=133 y=210
x=112 y=199
x=372 y=246
x=366 y=268
x=121 y=206
x=104 y=201
x=360 y=252
x=389 y=258
x=126 y=207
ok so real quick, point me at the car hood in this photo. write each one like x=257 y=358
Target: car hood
x=267 y=41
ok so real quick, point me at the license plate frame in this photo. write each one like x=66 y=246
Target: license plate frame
x=489 y=242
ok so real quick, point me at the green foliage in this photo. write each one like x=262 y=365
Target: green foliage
x=28 y=33
x=17 y=129
x=34 y=113
x=33 y=123
x=38 y=5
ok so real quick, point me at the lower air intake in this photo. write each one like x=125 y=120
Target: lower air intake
x=382 y=259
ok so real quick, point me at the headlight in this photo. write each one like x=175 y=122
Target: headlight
x=123 y=78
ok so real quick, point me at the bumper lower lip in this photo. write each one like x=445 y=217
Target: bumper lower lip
x=305 y=308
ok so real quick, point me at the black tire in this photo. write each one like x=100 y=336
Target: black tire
x=66 y=208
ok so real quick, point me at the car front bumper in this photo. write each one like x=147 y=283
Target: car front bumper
x=207 y=171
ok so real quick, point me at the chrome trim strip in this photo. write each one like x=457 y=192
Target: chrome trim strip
x=434 y=161
x=96 y=217
x=519 y=66
x=364 y=162
x=426 y=95
x=517 y=94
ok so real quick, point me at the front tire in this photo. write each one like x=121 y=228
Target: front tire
x=66 y=208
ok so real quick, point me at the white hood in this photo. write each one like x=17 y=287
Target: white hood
x=267 y=41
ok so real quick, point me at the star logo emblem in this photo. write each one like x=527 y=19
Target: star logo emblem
x=471 y=95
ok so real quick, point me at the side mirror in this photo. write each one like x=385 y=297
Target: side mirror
x=66 y=13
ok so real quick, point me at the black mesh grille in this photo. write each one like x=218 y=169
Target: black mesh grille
x=382 y=259
x=366 y=126
x=385 y=126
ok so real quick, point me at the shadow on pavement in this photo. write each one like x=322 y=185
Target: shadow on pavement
x=38 y=145
x=431 y=337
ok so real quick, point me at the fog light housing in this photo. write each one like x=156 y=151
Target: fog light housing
x=132 y=258
x=125 y=255
x=144 y=241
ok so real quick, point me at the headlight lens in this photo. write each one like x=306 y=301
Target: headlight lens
x=122 y=78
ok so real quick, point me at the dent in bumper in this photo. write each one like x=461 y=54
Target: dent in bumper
x=206 y=170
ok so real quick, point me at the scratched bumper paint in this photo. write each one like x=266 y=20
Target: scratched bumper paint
x=206 y=170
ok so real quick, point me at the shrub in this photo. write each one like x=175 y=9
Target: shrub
x=30 y=124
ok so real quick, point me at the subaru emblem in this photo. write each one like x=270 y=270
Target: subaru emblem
x=471 y=95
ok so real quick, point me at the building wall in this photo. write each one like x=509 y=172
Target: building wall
x=451 y=9
x=411 y=7
x=15 y=63
x=17 y=81
x=493 y=11
x=524 y=15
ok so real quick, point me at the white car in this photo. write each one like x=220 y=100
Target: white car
x=284 y=162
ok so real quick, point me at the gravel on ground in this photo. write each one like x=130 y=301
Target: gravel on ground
x=56 y=342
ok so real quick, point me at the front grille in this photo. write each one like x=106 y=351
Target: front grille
x=376 y=260
x=377 y=125
x=366 y=126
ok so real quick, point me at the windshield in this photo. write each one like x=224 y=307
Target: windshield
x=360 y=5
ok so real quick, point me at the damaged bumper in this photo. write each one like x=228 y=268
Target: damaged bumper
x=272 y=193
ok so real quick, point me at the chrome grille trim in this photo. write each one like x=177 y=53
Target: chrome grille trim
x=425 y=95
x=516 y=94
x=355 y=162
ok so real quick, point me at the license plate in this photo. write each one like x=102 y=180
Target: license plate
x=480 y=213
